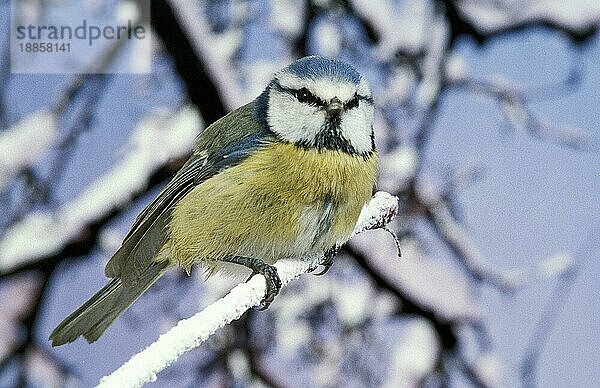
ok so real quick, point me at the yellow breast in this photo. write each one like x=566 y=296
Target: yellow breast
x=282 y=201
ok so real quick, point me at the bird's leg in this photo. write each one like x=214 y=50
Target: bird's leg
x=328 y=257
x=268 y=271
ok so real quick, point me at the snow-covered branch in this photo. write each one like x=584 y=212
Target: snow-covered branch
x=23 y=144
x=491 y=16
x=153 y=142
x=191 y=332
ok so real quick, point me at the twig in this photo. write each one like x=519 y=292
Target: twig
x=552 y=310
x=457 y=238
x=514 y=102
x=543 y=328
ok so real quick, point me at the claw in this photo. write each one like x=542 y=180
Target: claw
x=268 y=271
x=328 y=260
x=273 y=285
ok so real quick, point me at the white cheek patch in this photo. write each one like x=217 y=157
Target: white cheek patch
x=357 y=125
x=292 y=120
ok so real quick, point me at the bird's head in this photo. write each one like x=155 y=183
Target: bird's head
x=322 y=103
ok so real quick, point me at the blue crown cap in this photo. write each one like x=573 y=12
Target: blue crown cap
x=317 y=67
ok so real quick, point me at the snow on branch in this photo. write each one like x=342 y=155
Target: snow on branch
x=218 y=50
x=23 y=144
x=215 y=49
x=491 y=16
x=155 y=140
x=400 y=26
x=190 y=333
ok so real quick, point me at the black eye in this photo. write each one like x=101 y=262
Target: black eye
x=304 y=96
x=352 y=103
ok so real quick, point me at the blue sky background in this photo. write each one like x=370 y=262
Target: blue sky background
x=535 y=198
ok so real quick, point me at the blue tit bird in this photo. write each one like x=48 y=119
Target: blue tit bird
x=284 y=176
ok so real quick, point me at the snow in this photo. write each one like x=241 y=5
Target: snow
x=140 y=55
x=353 y=301
x=110 y=239
x=414 y=356
x=397 y=167
x=351 y=293
x=430 y=86
x=328 y=38
x=238 y=365
x=24 y=143
x=489 y=17
x=286 y=16
x=398 y=87
x=292 y=334
x=190 y=333
x=555 y=265
x=456 y=67
x=490 y=369
x=16 y=296
x=516 y=114
x=42 y=371
x=216 y=50
x=401 y=27
x=127 y=10
x=28 y=13
x=377 y=212
x=157 y=138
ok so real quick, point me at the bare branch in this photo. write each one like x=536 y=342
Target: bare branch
x=457 y=238
x=543 y=329
x=514 y=103
x=554 y=307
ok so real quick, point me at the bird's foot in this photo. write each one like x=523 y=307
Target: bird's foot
x=267 y=270
x=327 y=262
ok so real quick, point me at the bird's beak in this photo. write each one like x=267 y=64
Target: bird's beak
x=335 y=107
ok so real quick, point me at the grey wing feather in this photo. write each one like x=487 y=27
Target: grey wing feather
x=133 y=267
x=221 y=145
x=95 y=315
x=147 y=235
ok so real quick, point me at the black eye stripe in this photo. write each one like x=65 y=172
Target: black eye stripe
x=367 y=99
x=352 y=103
x=305 y=96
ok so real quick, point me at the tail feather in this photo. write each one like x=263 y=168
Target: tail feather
x=94 y=316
